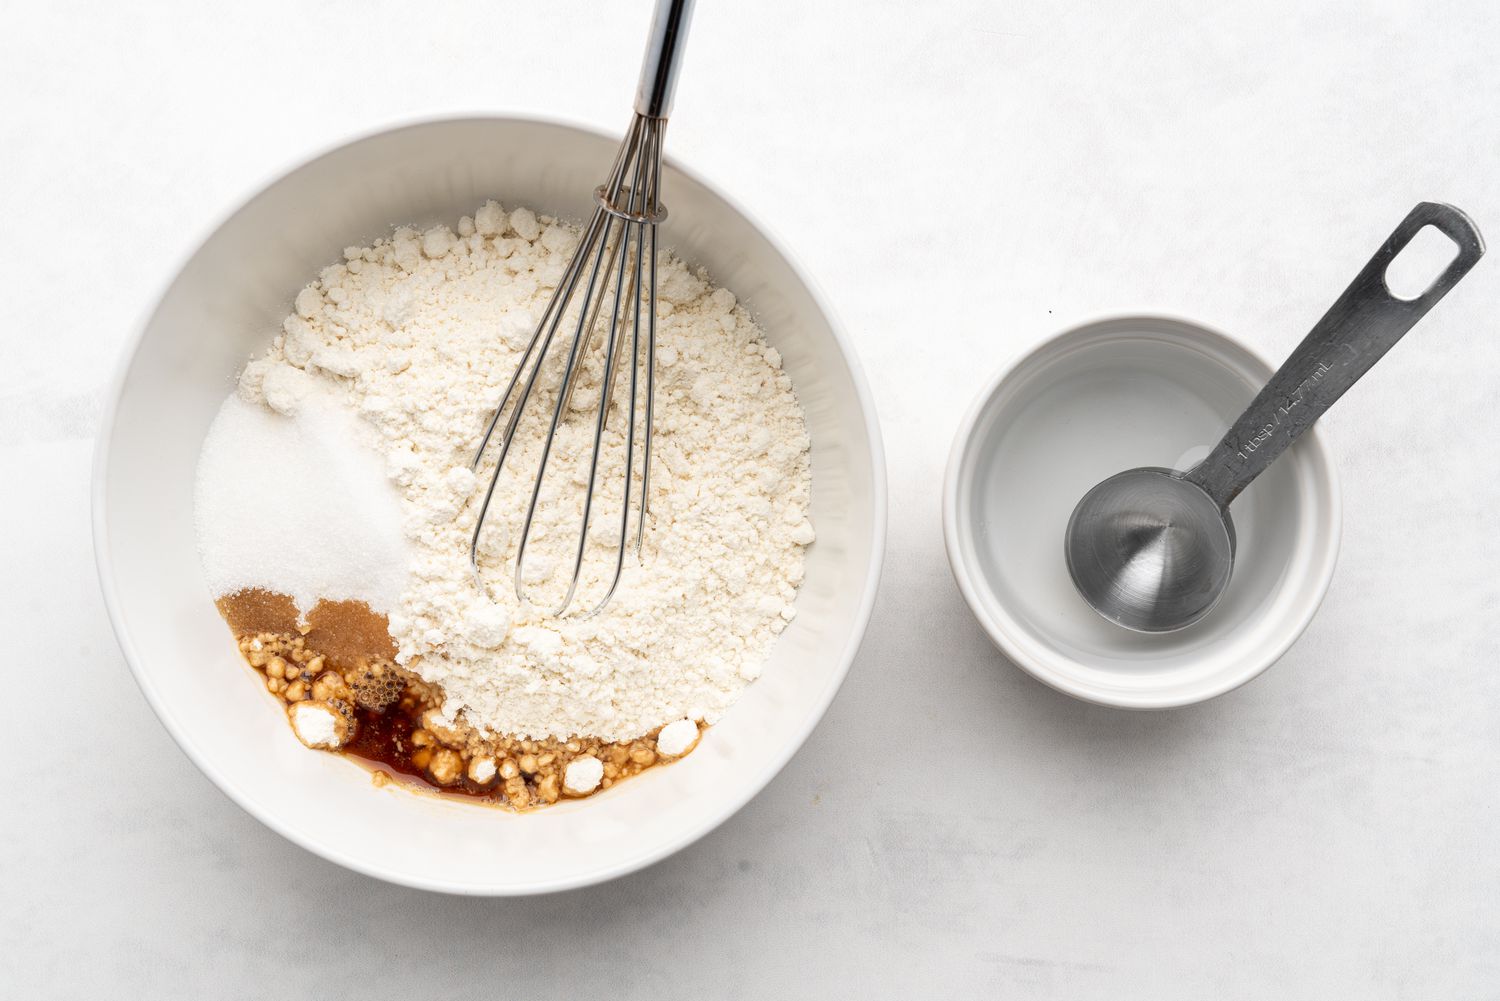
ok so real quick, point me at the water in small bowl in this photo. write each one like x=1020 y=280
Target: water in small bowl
x=1111 y=396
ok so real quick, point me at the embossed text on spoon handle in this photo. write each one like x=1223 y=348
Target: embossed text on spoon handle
x=1350 y=338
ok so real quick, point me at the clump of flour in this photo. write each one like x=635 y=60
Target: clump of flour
x=419 y=334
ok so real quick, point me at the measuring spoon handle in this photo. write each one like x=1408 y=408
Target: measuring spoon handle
x=1359 y=328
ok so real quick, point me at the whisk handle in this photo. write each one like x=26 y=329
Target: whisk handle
x=664 y=46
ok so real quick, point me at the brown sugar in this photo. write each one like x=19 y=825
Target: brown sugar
x=254 y=610
x=347 y=631
x=342 y=631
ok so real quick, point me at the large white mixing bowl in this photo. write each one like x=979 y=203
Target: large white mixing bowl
x=224 y=304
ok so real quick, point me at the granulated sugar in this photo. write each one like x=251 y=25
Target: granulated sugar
x=299 y=503
x=418 y=334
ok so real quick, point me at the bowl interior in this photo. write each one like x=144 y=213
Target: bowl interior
x=227 y=302
x=1089 y=404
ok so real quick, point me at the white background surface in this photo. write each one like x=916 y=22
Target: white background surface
x=964 y=179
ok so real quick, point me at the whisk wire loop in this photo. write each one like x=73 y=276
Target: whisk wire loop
x=617 y=252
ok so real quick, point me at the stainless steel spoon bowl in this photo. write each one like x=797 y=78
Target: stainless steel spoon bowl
x=1153 y=549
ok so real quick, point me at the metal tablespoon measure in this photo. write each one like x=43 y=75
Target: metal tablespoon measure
x=1152 y=549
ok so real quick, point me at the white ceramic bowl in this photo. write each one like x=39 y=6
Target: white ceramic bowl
x=1090 y=402
x=225 y=303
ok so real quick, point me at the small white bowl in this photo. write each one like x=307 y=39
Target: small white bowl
x=224 y=304
x=1092 y=401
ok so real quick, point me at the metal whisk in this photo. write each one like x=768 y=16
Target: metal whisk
x=622 y=231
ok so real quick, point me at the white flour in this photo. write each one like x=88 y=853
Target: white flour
x=419 y=334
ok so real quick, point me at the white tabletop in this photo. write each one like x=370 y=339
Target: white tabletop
x=963 y=179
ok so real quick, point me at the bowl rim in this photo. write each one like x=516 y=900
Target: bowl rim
x=327 y=850
x=996 y=620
